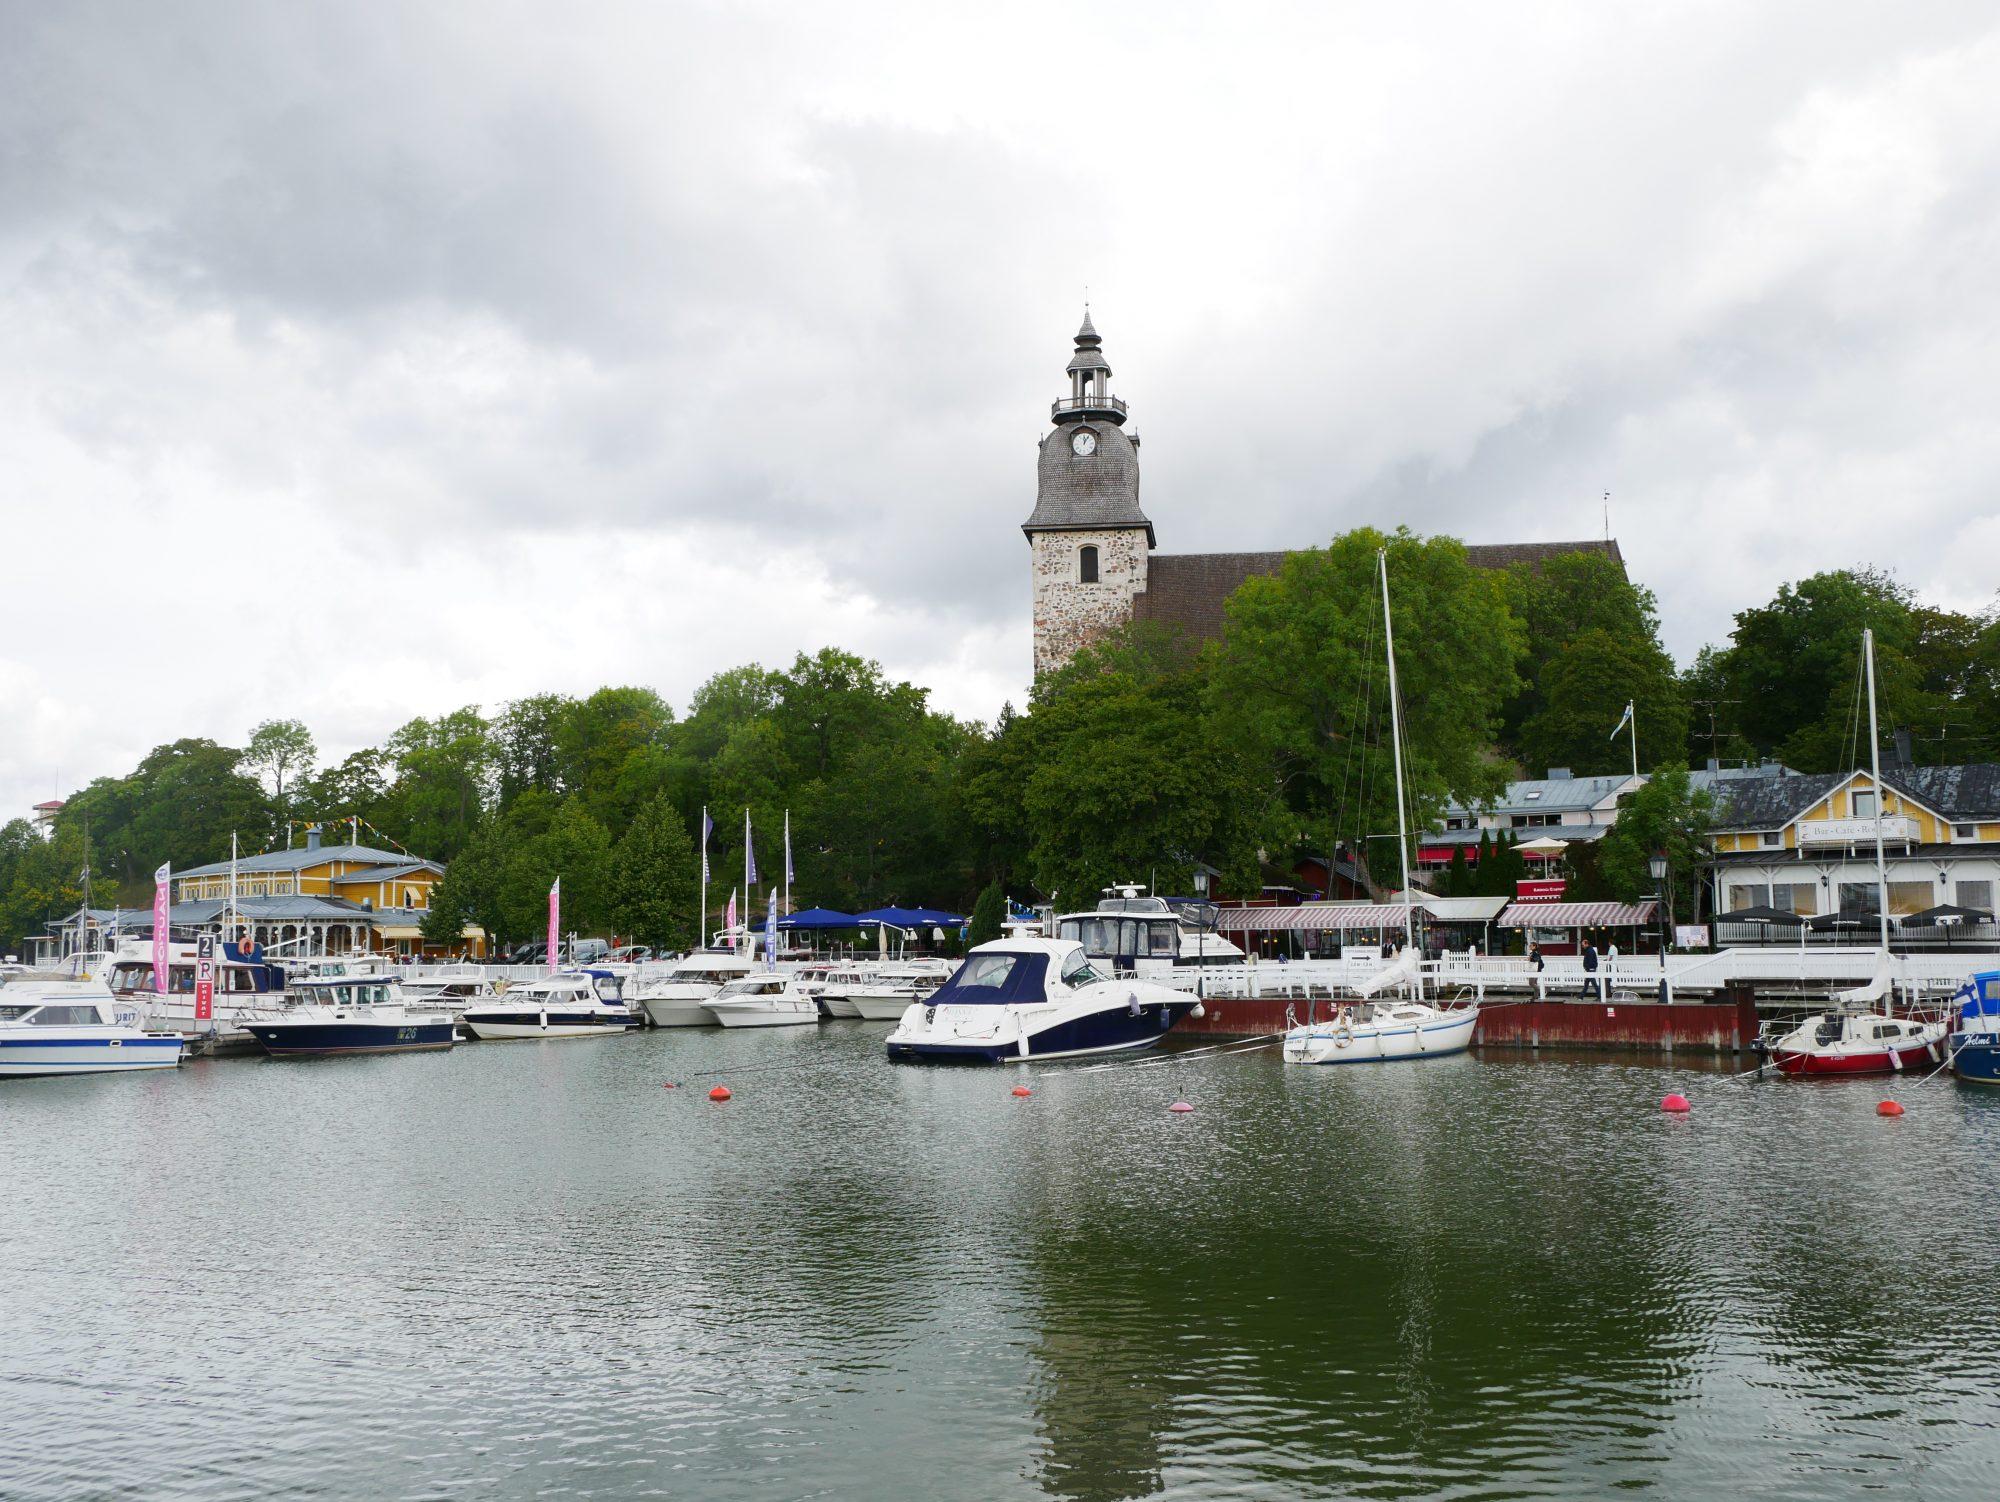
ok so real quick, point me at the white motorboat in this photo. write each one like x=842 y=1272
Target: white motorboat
x=575 y=1004
x=452 y=989
x=1133 y=934
x=62 y=1028
x=675 y=999
x=766 y=999
x=837 y=988
x=1036 y=999
x=244 y=986
x=888 y=990
x=350 y=1014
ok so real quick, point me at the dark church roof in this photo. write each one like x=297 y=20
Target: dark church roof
x=1087 y=494
x=1186 y=590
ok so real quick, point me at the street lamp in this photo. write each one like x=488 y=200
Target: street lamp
x=1657 y=864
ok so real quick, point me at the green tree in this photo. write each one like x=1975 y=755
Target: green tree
x=611 y=751
x=655 y=880
x=525 y=750
x=1584 y=688
x=989 y=914
x=574 y=847
x=45 y=882
x=1561 y=600
x=281 y=752
x=1298 y=677
x=1132 y=773
x=442 y=770
x=354 y=788
x=1667 y=814
x=1457 y=880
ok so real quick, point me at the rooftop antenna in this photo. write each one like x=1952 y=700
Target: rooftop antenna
x=1607 y=516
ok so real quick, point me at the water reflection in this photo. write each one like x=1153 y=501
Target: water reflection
x=527 y=1270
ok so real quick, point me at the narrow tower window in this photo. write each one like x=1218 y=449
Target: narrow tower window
x=1086 y=563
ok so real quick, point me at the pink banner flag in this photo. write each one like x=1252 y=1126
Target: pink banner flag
x=162 y=879
x=555 y=923
x=729 y=920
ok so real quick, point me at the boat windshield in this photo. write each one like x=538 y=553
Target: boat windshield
x=58 y=1016
x=14 y=1014
x=1079 y=972
x=994 y=980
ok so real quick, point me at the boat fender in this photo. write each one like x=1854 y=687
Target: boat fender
x=1197 y=1011
x=1132 y=1004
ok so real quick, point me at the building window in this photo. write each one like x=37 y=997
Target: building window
x=1863 y=804
x=1859 y=897
x=1086 y=565
x=1965 y=831
x=1770 y=838
x=1975 y=894
x=1906 y=897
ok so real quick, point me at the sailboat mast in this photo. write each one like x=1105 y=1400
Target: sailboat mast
x=1396 y=748
x=1875 y=772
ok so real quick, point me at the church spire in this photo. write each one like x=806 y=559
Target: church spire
x=1089 y=380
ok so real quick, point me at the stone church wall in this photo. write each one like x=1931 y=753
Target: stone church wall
x=1069 y=614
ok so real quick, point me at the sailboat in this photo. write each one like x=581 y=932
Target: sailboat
x=1854 y=1037
x=1366 y=1030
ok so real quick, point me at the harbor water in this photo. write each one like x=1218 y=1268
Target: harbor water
x=528 y=1270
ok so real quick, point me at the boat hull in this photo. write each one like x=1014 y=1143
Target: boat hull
x=499 y=1026
x=677 y=1011
x=29 y=1058
x=880 y=1006
x=1381 y=1042
x=305 y=1040
x=1976 y=1060
x=1102 y=1030
x=1829 y=1062
x=841 y=1006
x=787 y=1015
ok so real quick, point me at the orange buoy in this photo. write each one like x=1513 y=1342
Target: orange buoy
x=1180 y=1106
x=1022 y=1090
x=1889 y=1108
x=720 y=1092
x=668 y=1085
x=1675 y=1103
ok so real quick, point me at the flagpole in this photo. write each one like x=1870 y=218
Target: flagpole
x=1632 y=713
x=701 y=923
x=788 y=863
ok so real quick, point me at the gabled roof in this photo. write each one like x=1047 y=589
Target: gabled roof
x=1969 y=791
x=386 y=873
x=300 y=859
x=1186 y=590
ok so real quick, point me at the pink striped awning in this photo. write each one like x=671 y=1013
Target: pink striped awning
x=1315 y=917
x=1578 y=914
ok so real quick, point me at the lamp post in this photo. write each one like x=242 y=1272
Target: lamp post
x=1657 y=864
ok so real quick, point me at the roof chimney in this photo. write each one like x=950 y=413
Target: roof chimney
x=1903 y=756
x=1715 y=764
x=312 y=837
x=1559 y=774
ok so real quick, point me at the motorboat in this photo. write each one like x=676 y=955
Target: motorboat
x=1035 y=999
x=61 y=1028
x=245 y=984
x=1975 y=1034
x=675 y=999
x=1137 y=934
x=887 y=991
x=573 y=1004
x=345 y=1014
x=766 y=999
x=1856 y=1041
x=451 y=989
x=836 y=991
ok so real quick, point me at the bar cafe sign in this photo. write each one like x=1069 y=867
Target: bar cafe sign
x=1541 y=889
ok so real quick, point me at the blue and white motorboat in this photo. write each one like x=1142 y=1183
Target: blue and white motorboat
x=1022 y=998
x=74 y=1029
x=575 y=1004
x=1975 y=1031
x=348 y=1014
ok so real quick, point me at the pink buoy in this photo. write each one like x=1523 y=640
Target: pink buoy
x=1022 y=1090
x=1675 y=1102
x=1180 y=1106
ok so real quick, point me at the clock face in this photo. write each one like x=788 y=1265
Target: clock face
x=1084 y=443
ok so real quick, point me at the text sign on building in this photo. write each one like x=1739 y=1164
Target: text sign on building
x=1541 y=889
x=204 y=979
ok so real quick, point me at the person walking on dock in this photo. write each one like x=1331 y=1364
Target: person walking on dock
x=1591 y=985
x=1541 y=987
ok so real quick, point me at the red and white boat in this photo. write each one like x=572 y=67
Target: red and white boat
x=1859 y=1043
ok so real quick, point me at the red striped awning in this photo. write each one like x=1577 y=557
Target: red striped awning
x=1315 y=917
x=1578 y=914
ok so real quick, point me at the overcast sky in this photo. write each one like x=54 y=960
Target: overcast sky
x=365 y=361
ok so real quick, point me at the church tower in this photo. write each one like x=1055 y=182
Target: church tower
x=1088 y=541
